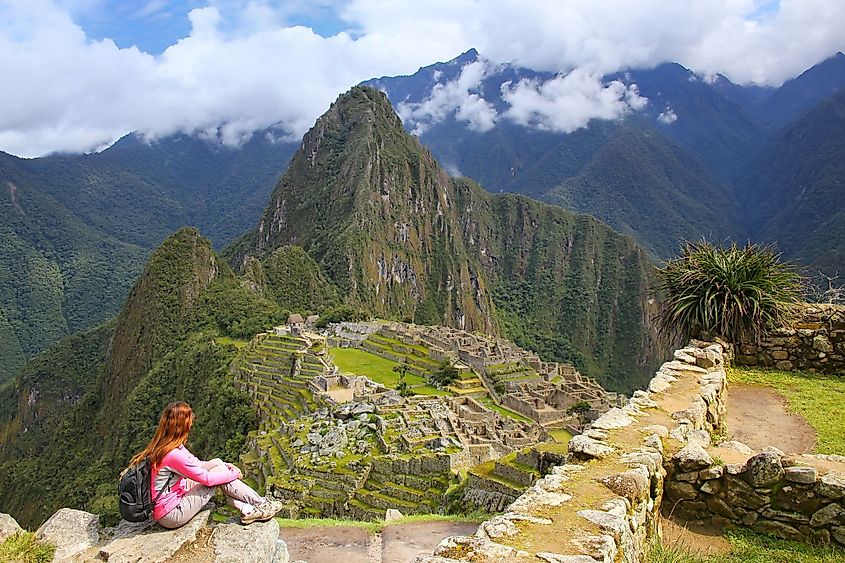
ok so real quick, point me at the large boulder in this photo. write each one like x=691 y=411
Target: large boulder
x=256 y=543
x=153 y=544
x=8 y=527
x=71 y=531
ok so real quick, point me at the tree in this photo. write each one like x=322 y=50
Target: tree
x=579 y=409
x=445 y=375
x=403 y=387
x=735 y=293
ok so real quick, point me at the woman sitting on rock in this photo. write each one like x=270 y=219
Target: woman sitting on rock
x=190 y=483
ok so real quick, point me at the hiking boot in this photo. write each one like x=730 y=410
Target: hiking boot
x=262 y=512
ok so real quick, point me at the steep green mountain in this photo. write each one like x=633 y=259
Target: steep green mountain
x=645 y=186
x=57 y=274
x=76 y=229
x=799 y=95
x=78 y=411
x=400 y=238
x=689 y=156
x=794 y=190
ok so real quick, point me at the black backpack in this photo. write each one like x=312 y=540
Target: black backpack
x=133 y=492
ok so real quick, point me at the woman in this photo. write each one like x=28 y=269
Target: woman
x=189 y=483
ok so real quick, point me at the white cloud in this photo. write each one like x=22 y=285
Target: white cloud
x=242 y=68
x=459 y=96
x=568 y=102
x=667 y=116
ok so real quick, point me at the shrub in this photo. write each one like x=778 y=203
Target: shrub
x=736 y=293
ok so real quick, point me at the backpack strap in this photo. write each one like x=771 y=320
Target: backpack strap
x=164 y=488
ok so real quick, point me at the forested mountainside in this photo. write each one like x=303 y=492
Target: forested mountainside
x=699 y=140
x=365 y=217
x=399 y=238
x=78 y=411
x=77 y=229
x=795 y=189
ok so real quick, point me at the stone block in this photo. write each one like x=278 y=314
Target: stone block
x=155 y=546
x=830 y=514
x=8 y=527
x=692 y=457
x=794 y=518
x=779 y=529
x=256 y=543
x=738 y=493
x=796 y=499
x=71 y=531
x=720 y=507
x=675 y=491
x=832 y=485
x=711 y=487
x=764 y=469
x=805 y=475
x=713 y=472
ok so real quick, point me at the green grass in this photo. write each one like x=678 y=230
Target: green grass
x=360 y=362
x=561 y=435
x=233 y=341
x=23 y=548
x=818 y=398
x=488 y=402
x=379 y=525
x=749 y=547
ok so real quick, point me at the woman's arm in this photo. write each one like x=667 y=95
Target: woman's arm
x=186 y=464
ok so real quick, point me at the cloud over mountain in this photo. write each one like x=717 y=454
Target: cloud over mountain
x=241 y=67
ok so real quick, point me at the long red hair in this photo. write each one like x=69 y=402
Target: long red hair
x=173 y=428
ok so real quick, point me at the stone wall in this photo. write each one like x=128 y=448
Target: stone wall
x=604 y=503
x=814 y=342
x=655 y=456
x=793 y=497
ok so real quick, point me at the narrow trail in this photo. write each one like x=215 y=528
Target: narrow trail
x=351 y=544
x=758 y=417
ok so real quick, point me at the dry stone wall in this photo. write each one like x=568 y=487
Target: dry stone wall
x=604 y=504
x=814 y=342
x=793 y=497
x=656 y=455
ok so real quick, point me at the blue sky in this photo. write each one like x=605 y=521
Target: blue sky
x=79 y=74
x=154 y=25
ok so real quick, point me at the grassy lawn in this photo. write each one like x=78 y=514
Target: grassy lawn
x=561 y=435
x=233 y=341
x=361 y=362
x=488 y=402
x=818 y=398
x=748 y=547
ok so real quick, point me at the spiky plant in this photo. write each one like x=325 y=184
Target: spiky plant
x=738 y=293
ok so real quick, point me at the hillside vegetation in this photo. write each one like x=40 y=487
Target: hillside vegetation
x=401 y=239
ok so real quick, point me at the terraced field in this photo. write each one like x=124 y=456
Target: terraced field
x=379 y=368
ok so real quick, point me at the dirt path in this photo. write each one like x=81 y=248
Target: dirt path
x=403 y=542
x=350 y=544
x=758 y=417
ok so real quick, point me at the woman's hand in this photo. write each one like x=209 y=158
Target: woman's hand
x=236 y=470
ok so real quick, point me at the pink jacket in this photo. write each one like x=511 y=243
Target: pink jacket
x=185 y=465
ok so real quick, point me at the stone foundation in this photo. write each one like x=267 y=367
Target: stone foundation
x=815 y=342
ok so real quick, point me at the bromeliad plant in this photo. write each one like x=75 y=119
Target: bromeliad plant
x=737 y=293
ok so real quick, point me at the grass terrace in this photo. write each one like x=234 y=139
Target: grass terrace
x=361 y=362
x=488 y=402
